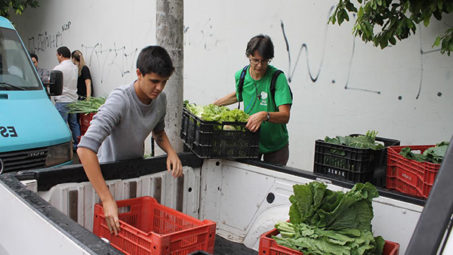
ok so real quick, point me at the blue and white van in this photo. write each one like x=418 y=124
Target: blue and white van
x=32 y=132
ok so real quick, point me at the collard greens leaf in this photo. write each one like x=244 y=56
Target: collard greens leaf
x=328 y=222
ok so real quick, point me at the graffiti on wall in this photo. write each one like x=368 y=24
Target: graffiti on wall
x=315 y=75
x=46 y=40
x=304 y=48
x=106 y=60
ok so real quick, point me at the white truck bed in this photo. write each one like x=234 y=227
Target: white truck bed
x=244 y=198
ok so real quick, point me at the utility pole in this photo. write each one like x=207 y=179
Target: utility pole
x=169 y=33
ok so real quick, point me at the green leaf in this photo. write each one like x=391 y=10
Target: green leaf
x=437 y=42
x=392 y=40
x=426 y=21
x=360 y=13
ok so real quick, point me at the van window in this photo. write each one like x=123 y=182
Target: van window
x=16 y=70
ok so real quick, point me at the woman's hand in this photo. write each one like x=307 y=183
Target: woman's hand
x=255 y=120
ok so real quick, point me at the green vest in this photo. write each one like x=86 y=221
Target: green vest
x=256 y=97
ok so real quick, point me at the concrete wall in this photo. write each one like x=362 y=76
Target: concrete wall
x=340 y=85
x=109 y=34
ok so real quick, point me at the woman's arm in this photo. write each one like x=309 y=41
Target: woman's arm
x=88 y=85
x=227 y=100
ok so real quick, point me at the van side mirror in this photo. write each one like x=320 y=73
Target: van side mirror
x=56 y=83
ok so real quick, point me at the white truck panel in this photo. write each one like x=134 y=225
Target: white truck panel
x=25 y=231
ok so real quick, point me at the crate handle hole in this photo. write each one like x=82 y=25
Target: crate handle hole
x=124 y=209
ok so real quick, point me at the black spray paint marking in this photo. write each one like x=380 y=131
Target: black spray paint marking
x=45 y=40
x=422 y=69
x=66 y=26
x=304 y=46
x=314 y=78
x=346 y=86
x=114 y=58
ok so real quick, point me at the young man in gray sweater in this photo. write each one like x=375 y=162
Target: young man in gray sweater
x=120 y=127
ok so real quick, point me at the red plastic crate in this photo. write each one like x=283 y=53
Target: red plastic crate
x=151 y=228
x=268 y=246
x=410 y=176
x=85 y=119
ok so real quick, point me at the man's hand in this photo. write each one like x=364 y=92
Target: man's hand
x=174 y=165
x=255 y=120
x=111 y=216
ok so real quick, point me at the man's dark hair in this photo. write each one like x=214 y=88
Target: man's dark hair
x=33 y=55
x=262 y=44
x=155 y=59
x=64 y=52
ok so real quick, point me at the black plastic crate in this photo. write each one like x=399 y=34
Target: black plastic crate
x=210 y=139
x=352 y=164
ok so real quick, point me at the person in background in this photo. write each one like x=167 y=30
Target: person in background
x=44 y=74
x=34 y=59
x=69 y=94
x=84 y=82
x=124 y=121
x=267 y=114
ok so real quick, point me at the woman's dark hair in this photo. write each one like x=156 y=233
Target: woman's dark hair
x=64 y=52
x=262 y=44
x=155 y=59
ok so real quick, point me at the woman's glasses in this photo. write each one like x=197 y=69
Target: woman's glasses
x=256 y=61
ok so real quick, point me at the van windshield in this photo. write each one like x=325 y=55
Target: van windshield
x=16 y=70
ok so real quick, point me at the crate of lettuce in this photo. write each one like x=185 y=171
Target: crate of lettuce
x=212 y=131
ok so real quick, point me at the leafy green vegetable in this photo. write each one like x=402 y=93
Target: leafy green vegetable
x=216 y=113
x=331 y=222
x=219 y=114
x=313 y=240
x=87 y=105
x=367 y=141
x=433 y=154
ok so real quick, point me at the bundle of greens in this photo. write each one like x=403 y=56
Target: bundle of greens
x=327 y=222
x=87 y=105
x=367 y=141
x=217 y=113
x=433 y=154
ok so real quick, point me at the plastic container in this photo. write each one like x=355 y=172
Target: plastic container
x=352 y=164
x=210 y=139
x=268 y=246
x=85 y=119
x=148 y=227
x=410 y=176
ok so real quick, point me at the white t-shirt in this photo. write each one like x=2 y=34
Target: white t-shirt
x=70 y=75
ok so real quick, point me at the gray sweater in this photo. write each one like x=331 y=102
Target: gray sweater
x=122 y=124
